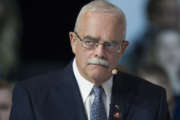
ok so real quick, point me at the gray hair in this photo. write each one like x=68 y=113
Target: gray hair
x=99 y=6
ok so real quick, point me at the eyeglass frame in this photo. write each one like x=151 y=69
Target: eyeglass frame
x=97 y=44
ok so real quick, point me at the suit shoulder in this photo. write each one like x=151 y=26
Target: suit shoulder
x=140 y=85
x=140 y=91
x=42 y=81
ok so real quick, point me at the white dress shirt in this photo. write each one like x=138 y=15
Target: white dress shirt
x=85 y=88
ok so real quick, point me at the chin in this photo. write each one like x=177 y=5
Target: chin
x=99 y=75
x=100 y=71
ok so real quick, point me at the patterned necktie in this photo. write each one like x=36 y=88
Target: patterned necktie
x=97 y=108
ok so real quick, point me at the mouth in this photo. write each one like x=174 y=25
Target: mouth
x=104 y=66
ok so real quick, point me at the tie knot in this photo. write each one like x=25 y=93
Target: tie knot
x=98 y=91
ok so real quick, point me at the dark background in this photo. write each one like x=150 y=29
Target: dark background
x=45 y=41
x=46 y=26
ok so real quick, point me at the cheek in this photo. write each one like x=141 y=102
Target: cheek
x=113 y=60
x=82 y=56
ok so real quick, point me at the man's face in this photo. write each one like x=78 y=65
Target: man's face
x=168 y=51
x=5 y=104
x=102 y=27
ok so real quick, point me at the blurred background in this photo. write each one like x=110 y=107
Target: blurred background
x=34 y=40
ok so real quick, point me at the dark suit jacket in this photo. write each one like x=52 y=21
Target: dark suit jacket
x=56 y=96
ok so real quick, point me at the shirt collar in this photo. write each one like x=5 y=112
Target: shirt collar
x=86 y=86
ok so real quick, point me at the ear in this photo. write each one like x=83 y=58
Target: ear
x=72 y=41
x=125 y=43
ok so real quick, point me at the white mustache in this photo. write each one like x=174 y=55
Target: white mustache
x=98 y=61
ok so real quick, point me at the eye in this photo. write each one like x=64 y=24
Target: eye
x=89 y=42
x=109 y=45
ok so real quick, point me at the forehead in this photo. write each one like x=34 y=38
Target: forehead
x=172 y=4
x=102 y=24
x=169 y=39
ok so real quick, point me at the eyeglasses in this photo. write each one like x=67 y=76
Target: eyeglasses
x=90 y=43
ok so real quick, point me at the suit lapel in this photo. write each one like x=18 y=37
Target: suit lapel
x=121 y=98
x=72 y=97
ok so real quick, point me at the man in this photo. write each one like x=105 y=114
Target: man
x=86 y=88
x=161 y=14
x=158 y=76
x=5 y=99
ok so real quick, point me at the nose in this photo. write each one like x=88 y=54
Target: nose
x=100 y=51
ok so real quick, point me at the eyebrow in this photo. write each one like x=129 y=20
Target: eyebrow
x=97 y=39
x=91 y=38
